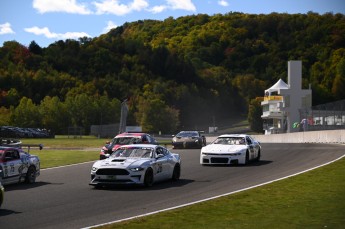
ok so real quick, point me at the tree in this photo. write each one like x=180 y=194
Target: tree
x=5 y=116
x=339 y=81
x=54 y=115
x=26 y=114
x=35 y=48
x=254 y=115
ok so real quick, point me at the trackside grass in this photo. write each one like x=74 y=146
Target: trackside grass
x=315 y=199
x=55 y=158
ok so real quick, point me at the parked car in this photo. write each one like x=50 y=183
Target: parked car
x=126 y=138
x=2 y=193
x=142 y=164
x=17 y=165
x=188 y=139
x=231 y=149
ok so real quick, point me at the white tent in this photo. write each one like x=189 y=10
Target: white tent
x=277 y=87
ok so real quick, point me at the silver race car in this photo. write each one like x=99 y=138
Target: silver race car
x=142 y=164
x=231 y=149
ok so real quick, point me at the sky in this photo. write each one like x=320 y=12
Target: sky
x=47 y=21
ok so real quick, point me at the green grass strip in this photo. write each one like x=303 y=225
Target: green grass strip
x=55 y=158
x=315 y=199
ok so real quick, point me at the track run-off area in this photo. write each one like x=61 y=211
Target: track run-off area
x=62 y=197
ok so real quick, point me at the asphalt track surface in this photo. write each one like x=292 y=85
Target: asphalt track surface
x=62 y=198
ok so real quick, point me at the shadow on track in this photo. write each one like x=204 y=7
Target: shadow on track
x=24 y=186
x=250 y=164
x=156 y=186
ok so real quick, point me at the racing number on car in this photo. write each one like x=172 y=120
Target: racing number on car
x=8 y=170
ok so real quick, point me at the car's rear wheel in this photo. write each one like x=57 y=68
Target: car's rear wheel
x=148 y=179
x=30 y=175
x=176 y=173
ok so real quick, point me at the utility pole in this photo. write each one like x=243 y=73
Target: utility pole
x=123 y=119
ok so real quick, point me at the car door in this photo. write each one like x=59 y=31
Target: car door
x=163 y=167
x=11 y=166
x=251 y=148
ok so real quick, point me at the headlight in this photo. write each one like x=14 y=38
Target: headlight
x=94 y=169
x=235 y=154
x=137 y=169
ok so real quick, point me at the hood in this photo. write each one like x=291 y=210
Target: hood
x=218 y=148
x=183 y=139
x=120 y=162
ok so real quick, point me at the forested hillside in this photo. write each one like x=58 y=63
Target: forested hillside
x=177 y=73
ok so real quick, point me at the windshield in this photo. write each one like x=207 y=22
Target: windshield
x=133 y=152
x=187 y=134
x=230 y=141
x=125 y=140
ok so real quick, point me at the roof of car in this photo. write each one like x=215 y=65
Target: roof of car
x=140 y=146
x=233 y=135
x=130 y=134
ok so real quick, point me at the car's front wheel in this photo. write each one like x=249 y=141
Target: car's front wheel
x=259 y=156
x=247 y=158
x=148 y=179
x=31 y=175
x=176 y=173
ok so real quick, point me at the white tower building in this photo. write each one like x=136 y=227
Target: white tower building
x=283 y=102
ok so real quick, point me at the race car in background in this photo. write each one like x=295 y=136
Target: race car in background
x=126 y=138
x=231 y=149
x=188 y=139
x=142 y=164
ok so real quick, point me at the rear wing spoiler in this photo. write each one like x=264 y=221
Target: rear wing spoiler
x=18 y=144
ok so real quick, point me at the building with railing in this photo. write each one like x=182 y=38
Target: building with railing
x=282 y=102
x=329 y=116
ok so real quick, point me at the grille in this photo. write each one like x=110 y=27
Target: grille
x=219 y=160
x=112 y=172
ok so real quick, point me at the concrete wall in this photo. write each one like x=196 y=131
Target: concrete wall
x=325 y=136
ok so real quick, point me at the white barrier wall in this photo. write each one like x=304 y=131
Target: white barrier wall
x=325 y=136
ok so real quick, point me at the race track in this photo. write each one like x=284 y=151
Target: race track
x=62 y=198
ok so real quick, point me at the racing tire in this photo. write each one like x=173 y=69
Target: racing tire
x=148 y=179
x=259 y=156
x=247 y=158
x=176 y=173
x=30 y=177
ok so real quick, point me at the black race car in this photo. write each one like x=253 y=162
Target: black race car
x=188 y=139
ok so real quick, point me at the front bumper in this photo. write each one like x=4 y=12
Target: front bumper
x=221 y=159
x=184 y=145
x=116 y=177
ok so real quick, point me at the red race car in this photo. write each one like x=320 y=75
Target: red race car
x=126 y=138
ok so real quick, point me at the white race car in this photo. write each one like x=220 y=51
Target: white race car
x=231 y=149
x=142 y=164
